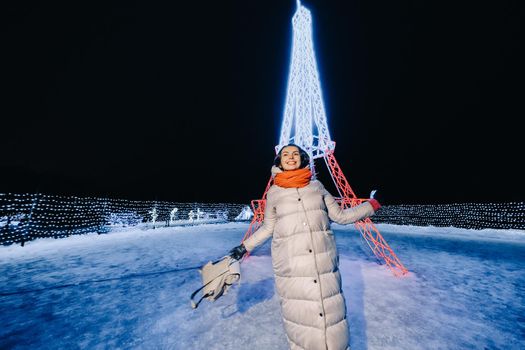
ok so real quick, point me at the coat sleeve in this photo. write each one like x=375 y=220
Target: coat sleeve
x=345 y=216
x=266 y=230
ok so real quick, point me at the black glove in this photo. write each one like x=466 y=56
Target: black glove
x=238 y=252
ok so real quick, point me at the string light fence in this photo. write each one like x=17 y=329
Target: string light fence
x=464 y=215
x=25 y=217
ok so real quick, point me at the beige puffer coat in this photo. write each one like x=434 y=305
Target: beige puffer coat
x=305 y=262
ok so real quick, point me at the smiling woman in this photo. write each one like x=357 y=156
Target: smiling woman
x=304 y=254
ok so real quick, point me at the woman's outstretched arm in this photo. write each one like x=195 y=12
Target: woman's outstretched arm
x=349 y=215
x=266 y=230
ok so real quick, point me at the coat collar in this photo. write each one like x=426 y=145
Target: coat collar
x=275 y=170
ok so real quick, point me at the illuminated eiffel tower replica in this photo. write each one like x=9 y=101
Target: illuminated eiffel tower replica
x=305 y=125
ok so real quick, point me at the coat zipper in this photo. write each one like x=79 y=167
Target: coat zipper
x=316 y=268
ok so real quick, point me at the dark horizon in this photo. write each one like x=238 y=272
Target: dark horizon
x=183 y=102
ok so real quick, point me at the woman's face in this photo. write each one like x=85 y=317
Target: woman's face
x=290 y=158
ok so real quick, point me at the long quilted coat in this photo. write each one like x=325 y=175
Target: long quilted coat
x=305 y=262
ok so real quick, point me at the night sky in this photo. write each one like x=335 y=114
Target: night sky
x=183 y=101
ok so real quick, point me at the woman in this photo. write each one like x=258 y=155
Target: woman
x=304 y=254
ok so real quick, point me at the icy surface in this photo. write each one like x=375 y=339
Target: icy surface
x=130 y=290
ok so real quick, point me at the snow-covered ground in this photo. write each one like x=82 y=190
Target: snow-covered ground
x=130 y=290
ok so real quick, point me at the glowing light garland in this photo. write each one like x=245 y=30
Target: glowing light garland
x=24 y=217
x=463 y=215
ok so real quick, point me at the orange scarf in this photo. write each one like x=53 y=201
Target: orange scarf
x=293 y=178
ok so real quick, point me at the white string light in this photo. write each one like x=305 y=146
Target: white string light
x=24 y=217
x=304 y=118
x=462 y=215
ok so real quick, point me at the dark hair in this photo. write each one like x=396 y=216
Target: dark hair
x=305 y=158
